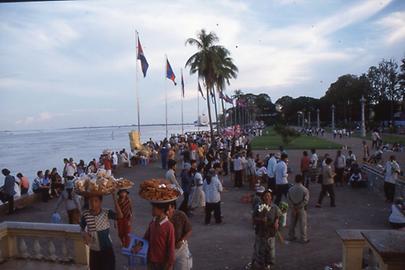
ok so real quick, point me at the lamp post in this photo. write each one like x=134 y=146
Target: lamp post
x=300 y=114
x=309 y=119
x=318 y=124
x=333 y=117
x=363 y=119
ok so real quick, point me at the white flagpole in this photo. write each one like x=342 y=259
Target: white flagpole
x=182 y=97
x=198 y=107
x=165 y=73
x=136 y=85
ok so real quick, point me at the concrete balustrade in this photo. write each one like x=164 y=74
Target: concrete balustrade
x=60 y=243
x=386 y=247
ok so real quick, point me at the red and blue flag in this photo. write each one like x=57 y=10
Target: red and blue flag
x=182 y=84
x=141 y=57
x=169 y=72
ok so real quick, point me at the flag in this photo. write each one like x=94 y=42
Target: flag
x=141 y=57
x=182 y=84
x=199 y=90
x=169 y=72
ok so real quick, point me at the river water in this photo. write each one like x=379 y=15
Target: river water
x=30 y=151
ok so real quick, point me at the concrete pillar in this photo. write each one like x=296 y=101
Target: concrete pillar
x=363 y=118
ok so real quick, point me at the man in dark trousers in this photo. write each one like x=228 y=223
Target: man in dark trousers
x=8 y=190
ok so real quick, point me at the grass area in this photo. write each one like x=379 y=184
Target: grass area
x=387 y=138
x=271 y=140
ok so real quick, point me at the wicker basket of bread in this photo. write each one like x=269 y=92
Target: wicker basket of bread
x=158 y=191
x=100 y=183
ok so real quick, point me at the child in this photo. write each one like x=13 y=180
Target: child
x=95 y=227
x=124 y=223
x=160 y=235
x=356 y=179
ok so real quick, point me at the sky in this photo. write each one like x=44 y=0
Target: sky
x=73 y=63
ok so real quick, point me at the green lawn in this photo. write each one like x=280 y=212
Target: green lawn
x=387 y=138
x=271 y=140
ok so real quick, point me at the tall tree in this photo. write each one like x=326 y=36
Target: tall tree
x=401 y=82
x=225 y=71
x=203 y=62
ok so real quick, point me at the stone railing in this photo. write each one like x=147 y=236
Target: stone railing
x=372 y=249
x=59 y=243
x=375 y=176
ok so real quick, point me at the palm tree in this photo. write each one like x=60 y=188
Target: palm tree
x=225 y=70
x=204 y=63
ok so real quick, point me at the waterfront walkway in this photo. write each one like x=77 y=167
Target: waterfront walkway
x=230 y=245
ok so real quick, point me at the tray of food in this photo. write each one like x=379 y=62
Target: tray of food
x=100 y=183
x=158 y=191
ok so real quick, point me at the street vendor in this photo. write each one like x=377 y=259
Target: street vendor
x=95 y=228
x=266 y=219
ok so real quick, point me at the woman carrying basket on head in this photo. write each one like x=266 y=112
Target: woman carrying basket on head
x=95 y=227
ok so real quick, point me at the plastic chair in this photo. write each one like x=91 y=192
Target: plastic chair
x=139 y=258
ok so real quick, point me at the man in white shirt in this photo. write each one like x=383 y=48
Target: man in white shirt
x=238 y=168
x=70 y=169
x=271 y=166
x=281 y=178
x=391 y=172
x=114 y=160
x=340 y=165
x=313 y=165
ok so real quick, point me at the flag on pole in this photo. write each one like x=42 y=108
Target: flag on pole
x=182 y=84
x=199 y=90
x=169 y=72
x=141 y=57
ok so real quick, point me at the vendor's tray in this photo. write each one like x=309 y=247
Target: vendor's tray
x=100 y=183
x=158 y=191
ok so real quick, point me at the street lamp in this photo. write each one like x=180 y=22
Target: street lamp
x=333 y=116
x=363 y=119
x=318 y=124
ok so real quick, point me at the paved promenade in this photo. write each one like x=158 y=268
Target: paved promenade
x=230 y=245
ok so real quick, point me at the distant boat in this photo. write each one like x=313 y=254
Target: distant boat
x=202 y=121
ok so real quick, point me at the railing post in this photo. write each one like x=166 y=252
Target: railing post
x=352 y=247
x=80 y=251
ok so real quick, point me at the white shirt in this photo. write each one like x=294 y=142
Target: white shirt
x=115 y=159
x=341 y=161
x=70 y=170
x=352 y=157
x=237 y=164
x=271 y=166
x=281 y=173
x=261 y=171
x=314 y=161
x=391 y=171
x=213 y=190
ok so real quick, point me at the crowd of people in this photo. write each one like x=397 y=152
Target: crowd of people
x=197 y=166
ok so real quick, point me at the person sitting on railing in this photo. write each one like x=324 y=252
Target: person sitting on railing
x=8 y=191
x=376 y=156
x=356 y=179
x=397 y=216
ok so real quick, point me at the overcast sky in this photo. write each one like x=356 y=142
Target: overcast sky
x=67 y=64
